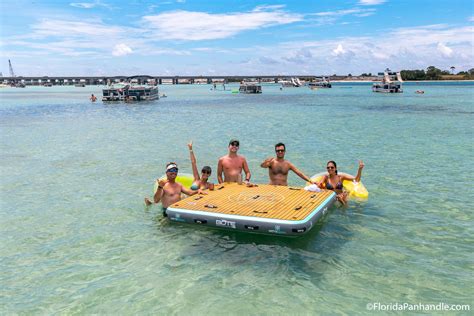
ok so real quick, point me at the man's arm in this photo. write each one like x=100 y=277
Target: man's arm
x=159 y=192
x=219 y=171
x=246 y=169
x=299 y=173
x=267 y=163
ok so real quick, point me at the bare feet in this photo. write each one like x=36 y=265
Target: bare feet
x=148 y=202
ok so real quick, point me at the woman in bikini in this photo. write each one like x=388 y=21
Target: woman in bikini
x=200 y=182
x=333 y=181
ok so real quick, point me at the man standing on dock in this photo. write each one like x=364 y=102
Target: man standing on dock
x=278 y=167
x=232 y=165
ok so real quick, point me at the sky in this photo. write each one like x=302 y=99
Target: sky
x=191 y=37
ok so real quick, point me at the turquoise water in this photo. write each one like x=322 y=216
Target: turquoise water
x=76 y=237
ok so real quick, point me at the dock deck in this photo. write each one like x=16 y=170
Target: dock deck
x=254 y=208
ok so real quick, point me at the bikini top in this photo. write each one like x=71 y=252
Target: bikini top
x=330 y=187
x=195 y=186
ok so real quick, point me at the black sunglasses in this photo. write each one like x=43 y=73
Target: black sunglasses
x=330 y=167
x=206 y=172
x=234 y=144
x=280 y=150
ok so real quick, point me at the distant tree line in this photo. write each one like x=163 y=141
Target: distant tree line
x=433 y=73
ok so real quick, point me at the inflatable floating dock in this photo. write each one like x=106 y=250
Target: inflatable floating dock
x=267 y=209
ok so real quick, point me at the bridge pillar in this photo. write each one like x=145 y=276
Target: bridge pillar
x=209 y=80
x=160 y=81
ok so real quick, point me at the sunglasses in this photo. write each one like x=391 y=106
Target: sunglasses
x=330 y=168
x=280 y=150
x=172 y=170
x=206 y=172
x=234 y=144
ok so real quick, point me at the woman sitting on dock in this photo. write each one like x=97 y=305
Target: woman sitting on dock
x=333 y=181
x=200 y=182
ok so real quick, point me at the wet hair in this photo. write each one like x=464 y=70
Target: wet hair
x=206 y=169
x=334 y=163
x=279 y=145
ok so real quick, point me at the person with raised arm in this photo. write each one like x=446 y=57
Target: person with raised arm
x=279 y=167
x=333 y=181
x=200 y=181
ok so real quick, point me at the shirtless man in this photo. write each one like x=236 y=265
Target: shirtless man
x=169 y=191
x=278 y=167
x=232 y=165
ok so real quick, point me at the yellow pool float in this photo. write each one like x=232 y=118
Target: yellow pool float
x=355 y=189
x=183 y=178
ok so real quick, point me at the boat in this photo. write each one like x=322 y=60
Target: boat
x=128 y=92
x=320 y=84
x=80 y=85
x=293 y=82
x=47 y=84
x=391 y=82
x=265 y=209
x=250 y=87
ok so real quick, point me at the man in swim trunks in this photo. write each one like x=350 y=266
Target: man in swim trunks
x=278 y=167
x=169 y=191
x=232 y=165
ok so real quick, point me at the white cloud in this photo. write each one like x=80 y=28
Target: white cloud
x=121 y=50
x=338 y=51
x=403 y=48
x=88 y=5
x=63 y=28
x=444 y=50
x=83 y=5
x=371 y=2
x=344 y=12
x=380 y=54
x=471 y=18
x=268 y=7
x=361 y=15
x=195 y=26
x=330 y=17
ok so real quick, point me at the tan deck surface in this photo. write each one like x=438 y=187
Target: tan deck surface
x=268 y=201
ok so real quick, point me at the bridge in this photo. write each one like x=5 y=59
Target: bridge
x=144 y=79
